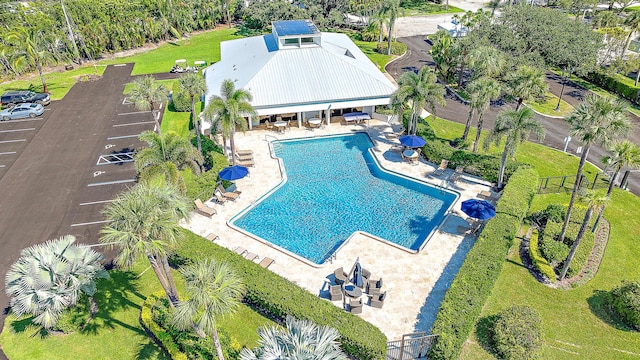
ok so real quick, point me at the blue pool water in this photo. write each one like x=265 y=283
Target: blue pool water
x=334 y=188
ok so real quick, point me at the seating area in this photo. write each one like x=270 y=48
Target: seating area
x=265 y=262
x=355 y=117
x=203 y=209
x=353 y=285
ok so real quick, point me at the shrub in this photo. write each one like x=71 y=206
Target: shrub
x=517 y=333
x=397 y=48
x=181 y=102
x=625 y=300
x=213 y=157
x=74 y=317
x=615 y=83
x=264 y=292
x=554 y=251
x=159 y=334
x=468 y=292
x=539 y=262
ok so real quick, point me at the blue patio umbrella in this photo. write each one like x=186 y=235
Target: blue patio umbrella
x=234 y=172
x=357 y=275
x=479 y=209
x=412 y=141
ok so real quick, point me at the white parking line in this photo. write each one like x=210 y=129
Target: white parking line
x=90 y=223
x=96 y=202
x=135 y=112
x=123 y=137
x=135 y=123
x=112 y=182
x=16 y=130
x=7 y=153
x=1 y=166
x=119 y=65
x=21 y=120
x=12 y=141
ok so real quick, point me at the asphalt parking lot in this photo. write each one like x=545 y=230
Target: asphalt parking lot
x=58 y=171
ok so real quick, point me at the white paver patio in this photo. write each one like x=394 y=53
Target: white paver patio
x=409 y=278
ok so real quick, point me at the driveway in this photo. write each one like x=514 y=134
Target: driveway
x=556 y=129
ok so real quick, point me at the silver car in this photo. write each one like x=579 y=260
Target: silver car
x=26 y=110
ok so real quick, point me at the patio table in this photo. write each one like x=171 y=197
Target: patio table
x=280 y=125
x=353 y=291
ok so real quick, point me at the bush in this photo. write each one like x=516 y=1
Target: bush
x=213 y=157
x=468 y=292
x=625 y=300
x=181 y=102
x=397 y=48
x=160 y=335
x=517 y=333
x=614 y=83
x=554 y=251
x=359 y=338
x=74 y=317
x=539 y=262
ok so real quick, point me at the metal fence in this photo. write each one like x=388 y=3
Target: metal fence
x=411 y=346
x=560 y=184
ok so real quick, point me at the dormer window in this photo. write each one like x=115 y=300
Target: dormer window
x=295 y=33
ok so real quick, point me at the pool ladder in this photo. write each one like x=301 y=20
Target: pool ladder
x=274 y=144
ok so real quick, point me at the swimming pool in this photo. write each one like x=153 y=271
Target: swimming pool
x=335 y=187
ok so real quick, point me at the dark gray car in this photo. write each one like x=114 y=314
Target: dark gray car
x=12 y=98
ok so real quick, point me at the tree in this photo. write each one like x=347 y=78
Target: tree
x=516 y=125
x=212 y=290
x=595 y=120
x=300 y=339
x=48 y=278
x=144 y=222
x=595 y=201
x=444 y=53
x=633 y=23
x=32 y=49
x=229 y=109
x=390 y=10
x=487 y=61
x=147 y=93
x=526 y=83
x=194 y=85
x=417 y=90
x=482 y=91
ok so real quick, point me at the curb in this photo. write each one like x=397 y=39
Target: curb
x=541 y=114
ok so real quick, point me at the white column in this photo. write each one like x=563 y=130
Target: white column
x=299 y=119
x=328 y=117
x=250 y=122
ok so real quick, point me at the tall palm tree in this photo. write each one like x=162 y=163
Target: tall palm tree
x=596 y=120
x=31 y=48
x=299 y=339
x=144 y=222
x=516 y=125
x=595 y=201
x=633 y=23
x=390 y=10
x=194 y=85
x=482 y=90
x=165 y=156
x=49 y=277
x=212 y=290
x=526 y=83
x=229 y=109
x=415 y=91
x=147 y=93
x=487 y=61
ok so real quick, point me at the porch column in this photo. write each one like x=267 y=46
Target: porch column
x=299 y=119
x=328 y=117
x=250 y=122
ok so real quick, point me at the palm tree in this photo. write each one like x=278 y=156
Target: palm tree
x=633 y=22
x=229 y=109
x=416 y=91
x=144 y=222
x=482 y=91
x=487 y=61
x=165 y=156
x=194 y=85
x=596 y=120
x=516 y=125
x=212 y=290
x=147 y=94
x=595 y=201
x=526 y=83
x=49 y=277
x=300 y=339
x=390 y=10
x=32 y=49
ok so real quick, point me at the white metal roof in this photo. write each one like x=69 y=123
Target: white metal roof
x=334 y=72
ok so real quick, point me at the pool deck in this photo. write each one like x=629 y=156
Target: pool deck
x=409 y=278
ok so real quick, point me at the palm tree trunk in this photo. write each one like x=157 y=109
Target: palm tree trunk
x=167 y=271
x=216 y=343
x=196 y=122
x=391 y=23
x=503 y=164
x=609 y=191
x=160 y=274
x=460 y=73
x=576 y=187
x=467 y=126
x=520 y=100
x=637 y=78
x=232 y=144
x=575 y=244
x=44 y=84
x=475 y=143
x=228 y=14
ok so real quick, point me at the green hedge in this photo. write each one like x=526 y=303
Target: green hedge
x=278 y=297
x=397 y=48
x=468 y=292
x=614 y=83
x=158 y=333
x=540 y=263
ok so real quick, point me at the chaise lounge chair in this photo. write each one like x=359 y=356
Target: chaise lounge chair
x=247 y=163
x=266 y=262
x=441 y=168
x=227 y=194
x=244 y=152
x=251 y=256
x=203 y=209
x=212 y=237
x=395 y=135
x=244 y=157
x=240 y=250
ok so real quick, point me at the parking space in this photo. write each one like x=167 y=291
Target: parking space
x=15 y=136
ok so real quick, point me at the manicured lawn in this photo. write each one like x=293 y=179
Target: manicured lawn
x=204 y=46
x=419 y=8
x=548 y=107
x=576 y=323
x=369 y=49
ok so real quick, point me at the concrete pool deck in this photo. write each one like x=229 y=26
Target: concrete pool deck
x=413 y=281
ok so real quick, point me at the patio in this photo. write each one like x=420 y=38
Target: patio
x=414 y=288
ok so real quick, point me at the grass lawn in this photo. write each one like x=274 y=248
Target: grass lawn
x=548 y=107
x=632 y=8
x=204 y=46
x=369 y=49
x=419 y=7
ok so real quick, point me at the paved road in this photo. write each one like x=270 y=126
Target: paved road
x=60 y=173
x=556 y=129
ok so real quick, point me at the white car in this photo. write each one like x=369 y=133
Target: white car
x=26 y=110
